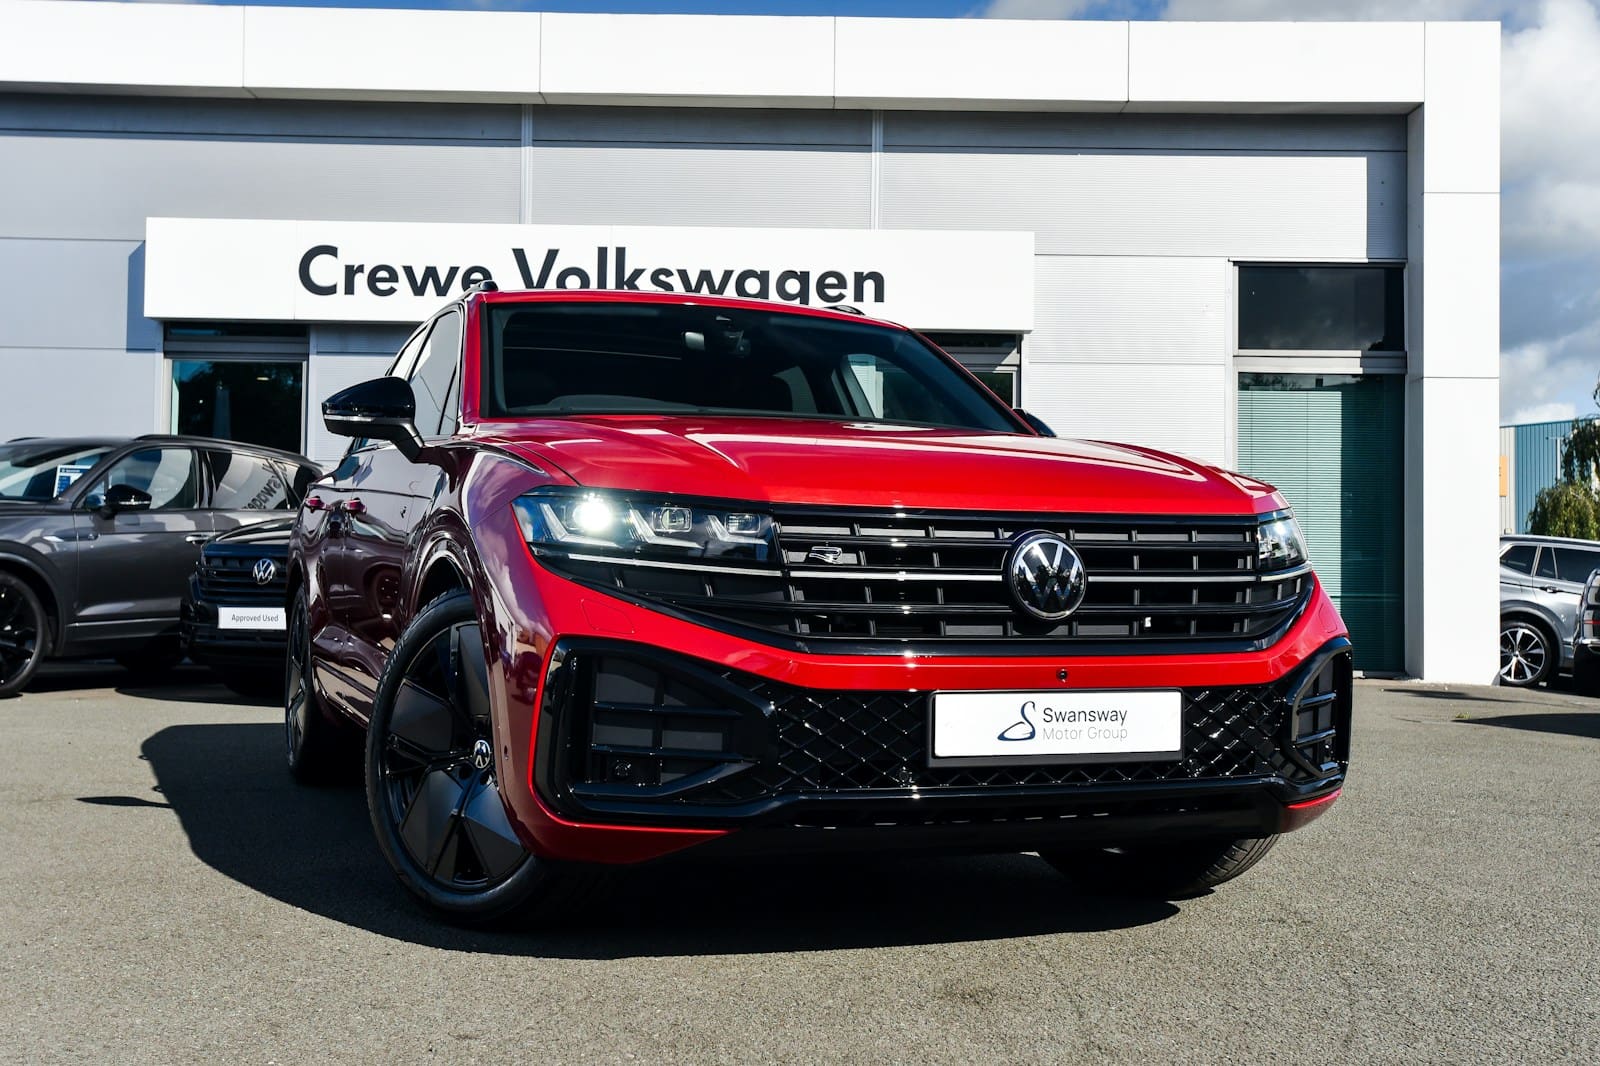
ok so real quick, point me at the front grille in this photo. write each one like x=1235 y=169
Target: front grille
x=646 y=728
x=231 y=579
x=936 y=578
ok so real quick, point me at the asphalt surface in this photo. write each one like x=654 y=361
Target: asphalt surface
x=167 y=895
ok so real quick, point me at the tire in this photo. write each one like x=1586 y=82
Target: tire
x=1160 y=871
x=431 y=787
x=1586 y=672
x=1528 y=653
x=318 y=750
x=24 y=634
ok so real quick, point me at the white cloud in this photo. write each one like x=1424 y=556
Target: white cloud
x=1545 y=412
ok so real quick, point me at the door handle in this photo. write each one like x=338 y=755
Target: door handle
x=197 y=538
x=314 y=503
x=354 y=506
x=1548 y=588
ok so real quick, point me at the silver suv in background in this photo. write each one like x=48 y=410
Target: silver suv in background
x=1586 y=640
x=1541 y=582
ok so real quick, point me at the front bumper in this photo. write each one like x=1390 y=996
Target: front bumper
x=631 y=736
x=203 y=641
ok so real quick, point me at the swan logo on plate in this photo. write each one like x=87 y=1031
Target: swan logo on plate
x=1045 y=576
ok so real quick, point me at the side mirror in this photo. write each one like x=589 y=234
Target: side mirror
x=1038 y=424
x=119 y=498
x=380 y=409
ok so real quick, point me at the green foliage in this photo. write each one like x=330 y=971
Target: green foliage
x=1566 y=509
x=1581 y=461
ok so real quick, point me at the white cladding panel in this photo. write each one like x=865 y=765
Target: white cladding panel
x=1328 y=206
x=704 y=185
x=326 y=375
x=98 y=186
x=1130 y=309
x=49 y=392
x=1176 y=407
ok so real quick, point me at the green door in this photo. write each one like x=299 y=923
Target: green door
x=1334 y=446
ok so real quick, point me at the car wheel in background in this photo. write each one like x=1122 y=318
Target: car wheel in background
x=432 y=786
x=1171 y=871
x=317 y=749
x=24 y=634
x=1586 y=672
x=1527 y=653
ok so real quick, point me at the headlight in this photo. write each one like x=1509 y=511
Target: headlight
x=616 y=524
x=1280 y=544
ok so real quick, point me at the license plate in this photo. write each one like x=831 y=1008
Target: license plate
x=1101 y=726
x=251 y=618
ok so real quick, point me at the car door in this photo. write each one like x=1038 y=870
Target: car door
x=373 y=500
x=133 y=565
x=1573 y=565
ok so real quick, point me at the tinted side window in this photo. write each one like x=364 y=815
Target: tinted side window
x=1519 y=557
x=302 y=477
x=407 y=358
x=1576 y=564
x=1547 y=563
x=242 y=482
x=167 y=474
x=430 y=382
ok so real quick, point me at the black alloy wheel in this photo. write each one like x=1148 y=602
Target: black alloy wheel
x=1527 y=653
x=24 y=634
x=432 y=788
x=318 y=751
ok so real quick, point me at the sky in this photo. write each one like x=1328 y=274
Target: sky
x=1550 y=147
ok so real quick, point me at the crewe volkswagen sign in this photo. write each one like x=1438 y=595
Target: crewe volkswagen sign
x=401 y=272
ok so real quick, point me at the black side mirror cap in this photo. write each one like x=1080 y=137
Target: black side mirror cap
x=1037 y=424
x=119 y=498
x=381 y=409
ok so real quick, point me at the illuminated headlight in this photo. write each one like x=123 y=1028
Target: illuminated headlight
x=1280 y=544
x=567 y=521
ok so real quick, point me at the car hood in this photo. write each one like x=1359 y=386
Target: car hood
x=875 y=465
x=273 y=533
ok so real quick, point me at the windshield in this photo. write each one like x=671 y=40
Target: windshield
x=42 y=470
x=600 y=358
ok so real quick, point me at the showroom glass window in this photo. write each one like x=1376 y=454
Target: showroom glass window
x=1322 y=308
x=243 y=382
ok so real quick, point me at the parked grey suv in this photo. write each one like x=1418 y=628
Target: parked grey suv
x=98 y=538
x=1541 y=582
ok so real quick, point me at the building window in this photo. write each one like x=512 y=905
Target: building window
x=243 y=382
x=994 y=359
x=1322 y=308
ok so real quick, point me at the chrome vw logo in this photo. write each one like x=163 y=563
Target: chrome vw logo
x=1045 y=576
x=264 y=570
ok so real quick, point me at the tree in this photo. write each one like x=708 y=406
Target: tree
x=1571 y=507
x=1566 y=509
x=1581 y=461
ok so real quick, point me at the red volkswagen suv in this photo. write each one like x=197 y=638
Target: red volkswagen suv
x=606 y=576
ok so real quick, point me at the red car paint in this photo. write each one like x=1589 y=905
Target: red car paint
x=460 y=511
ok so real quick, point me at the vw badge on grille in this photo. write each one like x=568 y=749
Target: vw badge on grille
x=1045 y=576
x=264 y=570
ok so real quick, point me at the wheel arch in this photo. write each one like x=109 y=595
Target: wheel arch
x=37 y=580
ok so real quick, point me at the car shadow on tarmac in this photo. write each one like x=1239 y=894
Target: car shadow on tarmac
x=1568 y=723
x=313 y=848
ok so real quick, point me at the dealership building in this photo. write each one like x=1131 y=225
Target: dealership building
x=1272 y=246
